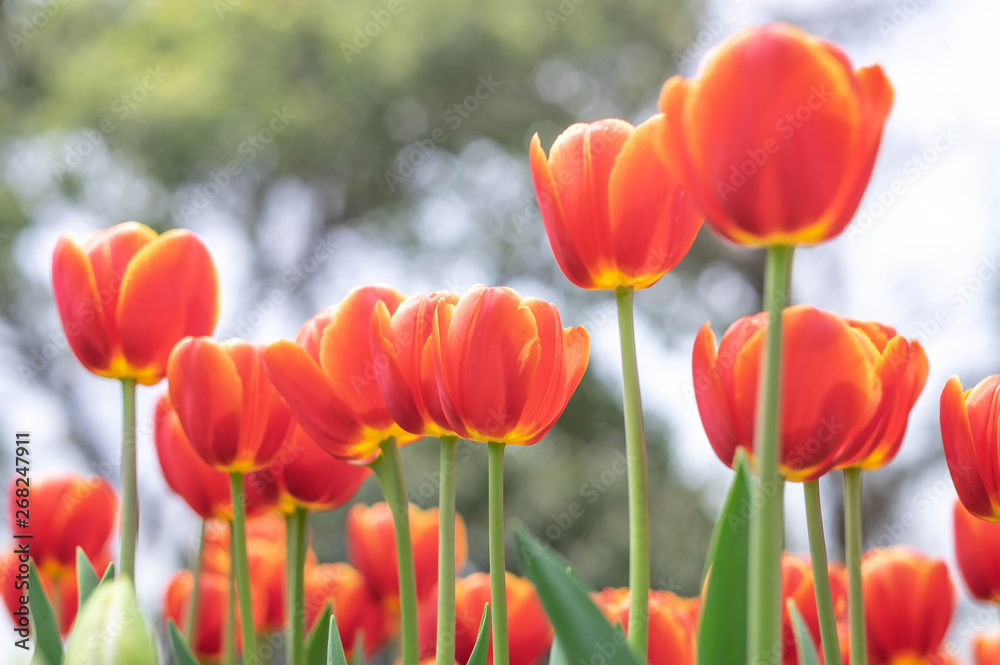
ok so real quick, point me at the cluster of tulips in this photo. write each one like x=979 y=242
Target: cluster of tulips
x=773 y=145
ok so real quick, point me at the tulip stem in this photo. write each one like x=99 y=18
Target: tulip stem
x=297 y=611
x=767 y=522
x=389 y=472
x=446 y=555
x=638 y=483
x=498 y=568
x=856 y=602
x=821 y=575
x=129 y=529
x=192 y=615
x=243 y=569
x=290 y=559
x=231 y=617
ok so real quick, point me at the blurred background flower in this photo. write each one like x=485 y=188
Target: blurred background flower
x=314 y=148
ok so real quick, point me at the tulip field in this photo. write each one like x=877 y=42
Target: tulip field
x=768 y=149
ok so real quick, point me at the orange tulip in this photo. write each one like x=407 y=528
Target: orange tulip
x=829 y=387
x=328 y=377
x=778 y=137
x=529 y=631
x=798 y=587
x=972 y=444
x=213 y=608
x=205 y=488
x=977 y=548
x=614 y=214
x=507 y=367
x=986 y=649
x=356 y=610
x=233 y=416
x=673 y=623
x=60 y=588
x=66 y=512
x=305 y=475
x=902 y=370
x=127 y=295
x=371 y=548
x=909 y=602
x=404 y=363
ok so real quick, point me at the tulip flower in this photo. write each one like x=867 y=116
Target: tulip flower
x=370 y=549
x=406 y=376
x=909 y=602
x=614 y=214
x=798 y=586
x=673 y=623
x=110 y=629
x=66 y=512
x=972 y=444
x=506 y=369
x=530 y=631
x=977 y=549
x=986 y=649
x=750 y=153
x=357 y=611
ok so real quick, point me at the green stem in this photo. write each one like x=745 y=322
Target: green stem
x=638 y=483
x=195 y=590
x=129 y=528
x=243 y=569
x=231 y=617
x=290 y=559
x=498 y=568
x=767 y=523
x=389 y=472
x=852 y=524
x=446 y=555
x=821 y=575
x=296 y=609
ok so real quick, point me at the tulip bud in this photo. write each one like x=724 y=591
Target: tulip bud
x=111 y=631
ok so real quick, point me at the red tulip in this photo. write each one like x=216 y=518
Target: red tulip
x=127 y=295
x=231 y=413
x=614 y=214
x=909 y=602
x=972 y=444
x=506 y=365
x=902 y=370
x=830 y=389
x=357 y=611
x=986 y=649
x=977 y=548
x=404 y=364
x=529 y=630
x=328 y=377
x=777 y=138
x=798 y=587
x=371 y=548
x=673 y=623
x=63 y=513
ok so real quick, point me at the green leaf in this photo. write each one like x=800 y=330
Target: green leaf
x=182 y=652
x=358 y=657
x=47 y=639
x=803 y=638
x=481 y=651
x=86 y=578
x=580 y=625
x=557 y=655
x=334 y=647
x=109 y=573
x=722 y=634
x=316 y=644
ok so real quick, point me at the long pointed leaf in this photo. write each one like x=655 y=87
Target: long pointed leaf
x=557 y=655
x=182 y=652
x=334 y=647
x=316 y=644
x=43 y=617
x=722 y=633
x=358 y=657
x=86 y=578
x=481 y=651
x=803 y=638
x=109 y=573
x=580 y=625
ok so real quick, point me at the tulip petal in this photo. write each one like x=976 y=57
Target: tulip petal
x=960 y=449
x=399 y=398
x=266 y=417
x=716 y=413
x=80 y=310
